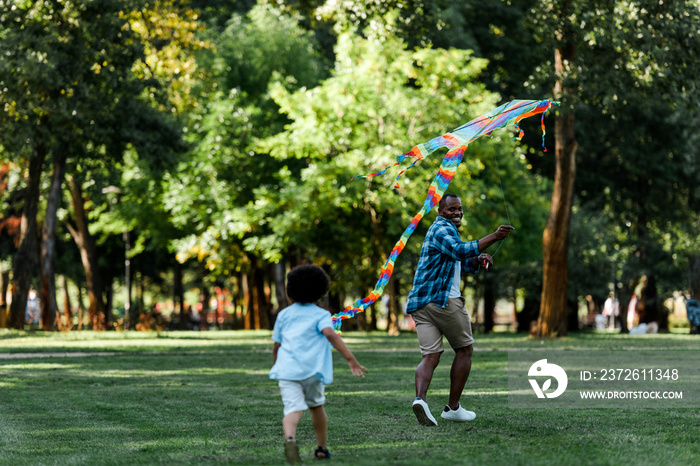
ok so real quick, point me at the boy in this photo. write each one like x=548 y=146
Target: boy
x=303 y=364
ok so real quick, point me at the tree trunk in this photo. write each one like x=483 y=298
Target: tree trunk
x=26 y=258
x=373 y=318
x=263 y=294
x=238 y=300
x=204 y=297
x=4 y=281
x=178 y=295
x=278 y=274
x=109 y=301
x=86 y=245
x=67 y=309
x=49 y=306
x=140 y=293
x=130 y=311
x=81 y=307
x=219 y=312
x=555 y=243
x=248 y=303
x=394 y=306
x=694 y=276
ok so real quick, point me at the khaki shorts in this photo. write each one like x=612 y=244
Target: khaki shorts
x=432 y=322
x=299 y=395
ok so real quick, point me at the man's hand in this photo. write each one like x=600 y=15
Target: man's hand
x=486 y=260
x=503 y=232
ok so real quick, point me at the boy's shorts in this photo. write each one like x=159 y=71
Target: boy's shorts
x=300 y=395
x=432 y=322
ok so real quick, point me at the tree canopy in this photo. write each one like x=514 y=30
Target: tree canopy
x=222 y=136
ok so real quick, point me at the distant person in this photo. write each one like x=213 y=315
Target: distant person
x=611 y=310
x=692 y=306
x=632 y=317
x=195 y=322
x=303 y=363
x=33 y=311
x=437 y=307
x=600 y=322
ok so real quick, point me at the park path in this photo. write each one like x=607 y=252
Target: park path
x=51 y=355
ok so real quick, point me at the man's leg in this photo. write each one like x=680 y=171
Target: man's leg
x=430 y=342
x=459 y=373
x=424 y=373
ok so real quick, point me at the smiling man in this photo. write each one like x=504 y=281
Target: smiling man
x=438 y=308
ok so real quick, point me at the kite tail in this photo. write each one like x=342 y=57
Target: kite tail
x=457 y=141
x=544 y=131
x=419 y=152
x=414 y=153
x=447 y=171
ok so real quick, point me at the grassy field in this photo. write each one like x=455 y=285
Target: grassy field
x=205 y=398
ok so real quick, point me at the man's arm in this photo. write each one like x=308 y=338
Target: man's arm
x=501 y=233
x=449 y=243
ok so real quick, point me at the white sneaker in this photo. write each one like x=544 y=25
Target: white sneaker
x=420 y=408
x=459 y=414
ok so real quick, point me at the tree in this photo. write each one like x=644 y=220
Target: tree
x=208 y=198
x=553 y=307
x=68 y=91
x=621 y=62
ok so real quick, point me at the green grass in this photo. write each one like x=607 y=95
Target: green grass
x=205 y=398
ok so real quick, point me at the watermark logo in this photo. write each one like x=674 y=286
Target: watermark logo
x=543 y=369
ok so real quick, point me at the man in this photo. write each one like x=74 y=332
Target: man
x=438 y=308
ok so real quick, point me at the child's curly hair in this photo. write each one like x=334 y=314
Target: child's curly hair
x=307 y=283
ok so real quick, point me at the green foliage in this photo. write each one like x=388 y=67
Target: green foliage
x=413 y=22
x=248 y=52
x=210 y=195
x=283 y=102
x=635 y=69
x=66 y=75
x=382 y=100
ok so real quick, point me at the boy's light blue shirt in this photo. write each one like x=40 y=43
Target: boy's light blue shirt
x=304 y=350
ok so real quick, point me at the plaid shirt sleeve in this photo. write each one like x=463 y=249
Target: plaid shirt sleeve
x=441 y=248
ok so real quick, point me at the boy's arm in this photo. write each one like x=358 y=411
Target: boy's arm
x=275 y=348
x=339 y=344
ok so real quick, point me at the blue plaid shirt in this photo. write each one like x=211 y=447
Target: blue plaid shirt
x=435 y=272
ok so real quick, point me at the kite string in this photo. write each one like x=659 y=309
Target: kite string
x=503 y=193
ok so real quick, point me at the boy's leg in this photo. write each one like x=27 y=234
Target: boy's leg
x=320 y=421
x=290 y=422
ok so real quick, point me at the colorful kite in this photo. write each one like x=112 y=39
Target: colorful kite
x=456 y=141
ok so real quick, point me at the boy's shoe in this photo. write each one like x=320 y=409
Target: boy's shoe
x=459 y=414
x=291 y=451
x=322 y=454
x=420 y=408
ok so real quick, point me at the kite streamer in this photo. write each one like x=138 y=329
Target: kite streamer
x=456 y=142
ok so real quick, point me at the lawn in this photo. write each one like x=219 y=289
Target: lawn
x=205 y=398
